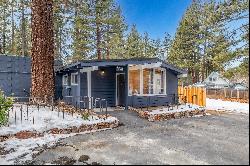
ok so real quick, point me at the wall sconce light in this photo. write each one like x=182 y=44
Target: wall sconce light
x=102 y=72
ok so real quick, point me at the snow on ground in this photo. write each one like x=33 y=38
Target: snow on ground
x=182 y=108
x=25 y=148
x=45 y=119
x=214 y=104
x=21 y=150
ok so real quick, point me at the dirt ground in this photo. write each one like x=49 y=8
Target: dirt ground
x=215 y=139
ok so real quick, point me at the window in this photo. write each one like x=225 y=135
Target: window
x=134 y=81
x=65 y=80
x=147 y=81
x=214 y=79
x=74 y=79
x=210 y=79
x=159 y=81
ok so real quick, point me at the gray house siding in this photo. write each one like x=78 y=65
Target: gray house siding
x=15 y=75
x=171 y=83
x=105 y=86
x=84 y=84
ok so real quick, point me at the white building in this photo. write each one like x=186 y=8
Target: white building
x=215 y=80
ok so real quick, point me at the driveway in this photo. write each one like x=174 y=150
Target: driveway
x=221 y=139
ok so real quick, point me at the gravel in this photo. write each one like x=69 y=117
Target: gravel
x=214 y=139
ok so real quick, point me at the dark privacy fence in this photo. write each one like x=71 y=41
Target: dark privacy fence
x=15 y=76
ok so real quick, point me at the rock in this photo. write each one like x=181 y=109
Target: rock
x=83 y=158
x=64 y=161
x=95 y=163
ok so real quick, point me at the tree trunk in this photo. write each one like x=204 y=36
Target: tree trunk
x=12 y=29
x=24 y=43
x=42 y=50
x=98 y=32
x=98 y=42
x=4 y=31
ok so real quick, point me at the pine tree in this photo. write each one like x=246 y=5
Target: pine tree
x=4 y=28
x=82 y=45
x=114 y=36
x=42 y=49
x=184 y=50
x=134 y=44
x=164 y=51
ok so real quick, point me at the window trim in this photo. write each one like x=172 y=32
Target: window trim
x=140 y=67
x=72 y=75
x=65 y=83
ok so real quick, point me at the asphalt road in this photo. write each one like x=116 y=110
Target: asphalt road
x=214 y=139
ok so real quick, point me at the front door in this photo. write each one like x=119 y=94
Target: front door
x=120 y=90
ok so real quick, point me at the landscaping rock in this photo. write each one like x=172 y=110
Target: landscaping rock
x=64 y=161
x=83 y=158
x=95 y=163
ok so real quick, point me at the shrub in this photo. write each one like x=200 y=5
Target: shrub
x=5 y=104
x=85 y=115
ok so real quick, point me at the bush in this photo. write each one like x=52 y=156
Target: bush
x=5 y=104
x=85 y=115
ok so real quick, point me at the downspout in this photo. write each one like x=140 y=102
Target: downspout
x=126 y=88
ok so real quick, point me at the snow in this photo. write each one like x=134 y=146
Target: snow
x=214 y=104
x=181 y=108
x=25 y=148
x=45 y=119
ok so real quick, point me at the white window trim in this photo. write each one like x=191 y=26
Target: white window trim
x=67 y=80
x=73 y=74
x=141 y=67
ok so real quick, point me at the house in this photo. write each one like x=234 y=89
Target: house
x=125 y=82
x=240 y=86
x=215 y=80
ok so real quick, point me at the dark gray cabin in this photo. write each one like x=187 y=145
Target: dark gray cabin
x=125 y=82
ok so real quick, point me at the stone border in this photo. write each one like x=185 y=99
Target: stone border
x=73 y=129
x=168 y=116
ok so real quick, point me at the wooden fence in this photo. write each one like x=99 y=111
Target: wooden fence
x=193 y=95
x=229 y=94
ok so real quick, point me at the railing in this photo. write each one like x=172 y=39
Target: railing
x=87 y=103
x=192 y=95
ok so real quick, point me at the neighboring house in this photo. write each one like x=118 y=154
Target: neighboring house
x=215 y=80
x=239 y=86
x=125 y=82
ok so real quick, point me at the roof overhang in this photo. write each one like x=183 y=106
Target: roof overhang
x=149 y=62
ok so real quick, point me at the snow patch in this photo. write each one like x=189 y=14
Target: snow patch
x=181 y=108
x=45 y=119
x=214 y=104
x=25 y=148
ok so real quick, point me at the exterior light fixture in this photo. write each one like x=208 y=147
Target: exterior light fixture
x=102 y=72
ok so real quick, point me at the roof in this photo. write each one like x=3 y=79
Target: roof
x=120 y=62
x=216 y=74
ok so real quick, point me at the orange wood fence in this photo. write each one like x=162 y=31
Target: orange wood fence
x=193 y=95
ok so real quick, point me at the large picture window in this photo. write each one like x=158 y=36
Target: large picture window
x=147 y=81
x=134 y=82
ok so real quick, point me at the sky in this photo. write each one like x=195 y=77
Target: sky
x=154 y=16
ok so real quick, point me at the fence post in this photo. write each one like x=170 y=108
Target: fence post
x=238 y=94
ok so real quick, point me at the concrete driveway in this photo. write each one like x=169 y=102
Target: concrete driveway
x=222 y=139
